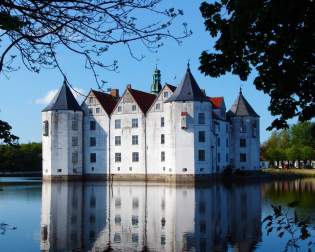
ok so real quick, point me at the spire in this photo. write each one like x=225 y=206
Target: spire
x=188 y=90
x=63 y=100
x=156 y=84
x=241 y=107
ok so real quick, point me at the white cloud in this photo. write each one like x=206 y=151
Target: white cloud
x=46 y=99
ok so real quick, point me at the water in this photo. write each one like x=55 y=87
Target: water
x=95 y=216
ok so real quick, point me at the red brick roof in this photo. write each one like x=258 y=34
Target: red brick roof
x=107 y=101
x=216 y=101
x=143 y=99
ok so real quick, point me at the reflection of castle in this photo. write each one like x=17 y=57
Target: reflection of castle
x=121 y=216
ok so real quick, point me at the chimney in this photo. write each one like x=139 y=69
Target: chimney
x=128 y=86
x=114 y=92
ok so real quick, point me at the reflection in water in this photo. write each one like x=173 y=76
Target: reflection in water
x=134 y=216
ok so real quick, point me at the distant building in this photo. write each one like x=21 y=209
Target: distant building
x=170 y=133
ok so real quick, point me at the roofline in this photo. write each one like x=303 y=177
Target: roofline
x=158 y=95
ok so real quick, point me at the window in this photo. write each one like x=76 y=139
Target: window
x=91 y=100
x=165 y=94
x=162 y=122
x=90 y=111
x=162 y=156
x=158 y=106
x=117 y=140
x=134 y=220
x=201 y=155
x=219 y=158
x=45 y=128
x=227 y=142
x=97 y=110
x=134 y=140
x=184 y=169
x=162 y=139
x=119 y=109
x=226 y=128
x=219 y=141
x=92 y=157
x=75 y=123
x=117 y=124
x=92 y=141
x=135 y=156
x=134 y=123
x=92 y=125
x=242 y=127
x=133 y=107
x=243 y=157
x=201 y=118
x=227 y=157
x=254 y=129
x=74 y=141
x=117 y=157
x=202 y=136
x=74 y=157
x=242 y=142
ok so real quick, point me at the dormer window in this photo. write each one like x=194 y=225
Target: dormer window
x=158 y=106
x=91 y=100
x=165 y=94
x=133 y=107
x=119 y=109
x=46 y=128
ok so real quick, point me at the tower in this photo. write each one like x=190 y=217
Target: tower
x=245 y=141
x=62 y=136
x=156 y=84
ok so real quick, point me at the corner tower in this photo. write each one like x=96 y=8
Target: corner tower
x=245 y=140
x=156 y=84
x=62 y=136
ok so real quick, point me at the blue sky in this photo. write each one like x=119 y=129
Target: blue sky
x=22 y=93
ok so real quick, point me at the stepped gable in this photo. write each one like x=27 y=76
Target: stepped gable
x=143 y=99
x=216 y=101
x=107 y=101
x=63 y=100
x=241 y=107
x=188 y=90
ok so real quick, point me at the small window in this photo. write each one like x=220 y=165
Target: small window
x=45 y=128
x=92 y=157
x=162 y=139
x=135 y=156
x=134 y=220
x=117 y=124
x=75 y=123
x=92 y=125
x=133 y=107
x=184 y=169
x=254 y=129
x=130 y=168
x=135 y=140
x=201 y=155
x=90 y=111
x=91 y=100
x=227 y=157
x=219 y=158
x=162 y=156
x=118 y=168
x=74 y=141
x=227 y=142
x=162 y=122
x=226 y=128
x=117 y=140
x=243 y=157
x=165 y=94
x=202 y=136
x=74 y=157
x=201 y=118
x=92 y=141
x=97 y=110
x=158 y=106
x=118 y=157
x=117 y=219
x=242 y=142
x=219 y=142
x=243 y=127
x=134 y=123
x=119 y=109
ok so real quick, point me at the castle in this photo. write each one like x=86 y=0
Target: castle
x=172 y=133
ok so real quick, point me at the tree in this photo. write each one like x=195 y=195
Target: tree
x=5 y=134
x=276 y=39
x=302 y=134
x=35 y=30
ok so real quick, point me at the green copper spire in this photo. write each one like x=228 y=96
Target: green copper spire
x=156 y=85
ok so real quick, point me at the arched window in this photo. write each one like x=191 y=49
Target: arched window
x=45 y=128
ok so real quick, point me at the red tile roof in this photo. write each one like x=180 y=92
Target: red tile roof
x=107 y=101
x=143 y=99
x=216 y=101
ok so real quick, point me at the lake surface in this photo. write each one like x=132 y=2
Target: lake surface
x=97 y=216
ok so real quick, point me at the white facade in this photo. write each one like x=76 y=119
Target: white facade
x=177 y=132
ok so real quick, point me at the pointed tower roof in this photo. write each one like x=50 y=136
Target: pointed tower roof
x=63 y=100
x=156 y=84
x=188 y=90
x=241 y=107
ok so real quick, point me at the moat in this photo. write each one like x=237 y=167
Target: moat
x=124 y=216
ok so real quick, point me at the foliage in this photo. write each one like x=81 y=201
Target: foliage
x=37 y=30
x=5 y=134
x=295 y=143
x=275 y=39
x=297 y=228
x=24 y=157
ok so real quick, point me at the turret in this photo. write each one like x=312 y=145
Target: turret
x=62 y=136
x=156 y=84
x=245 y=141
